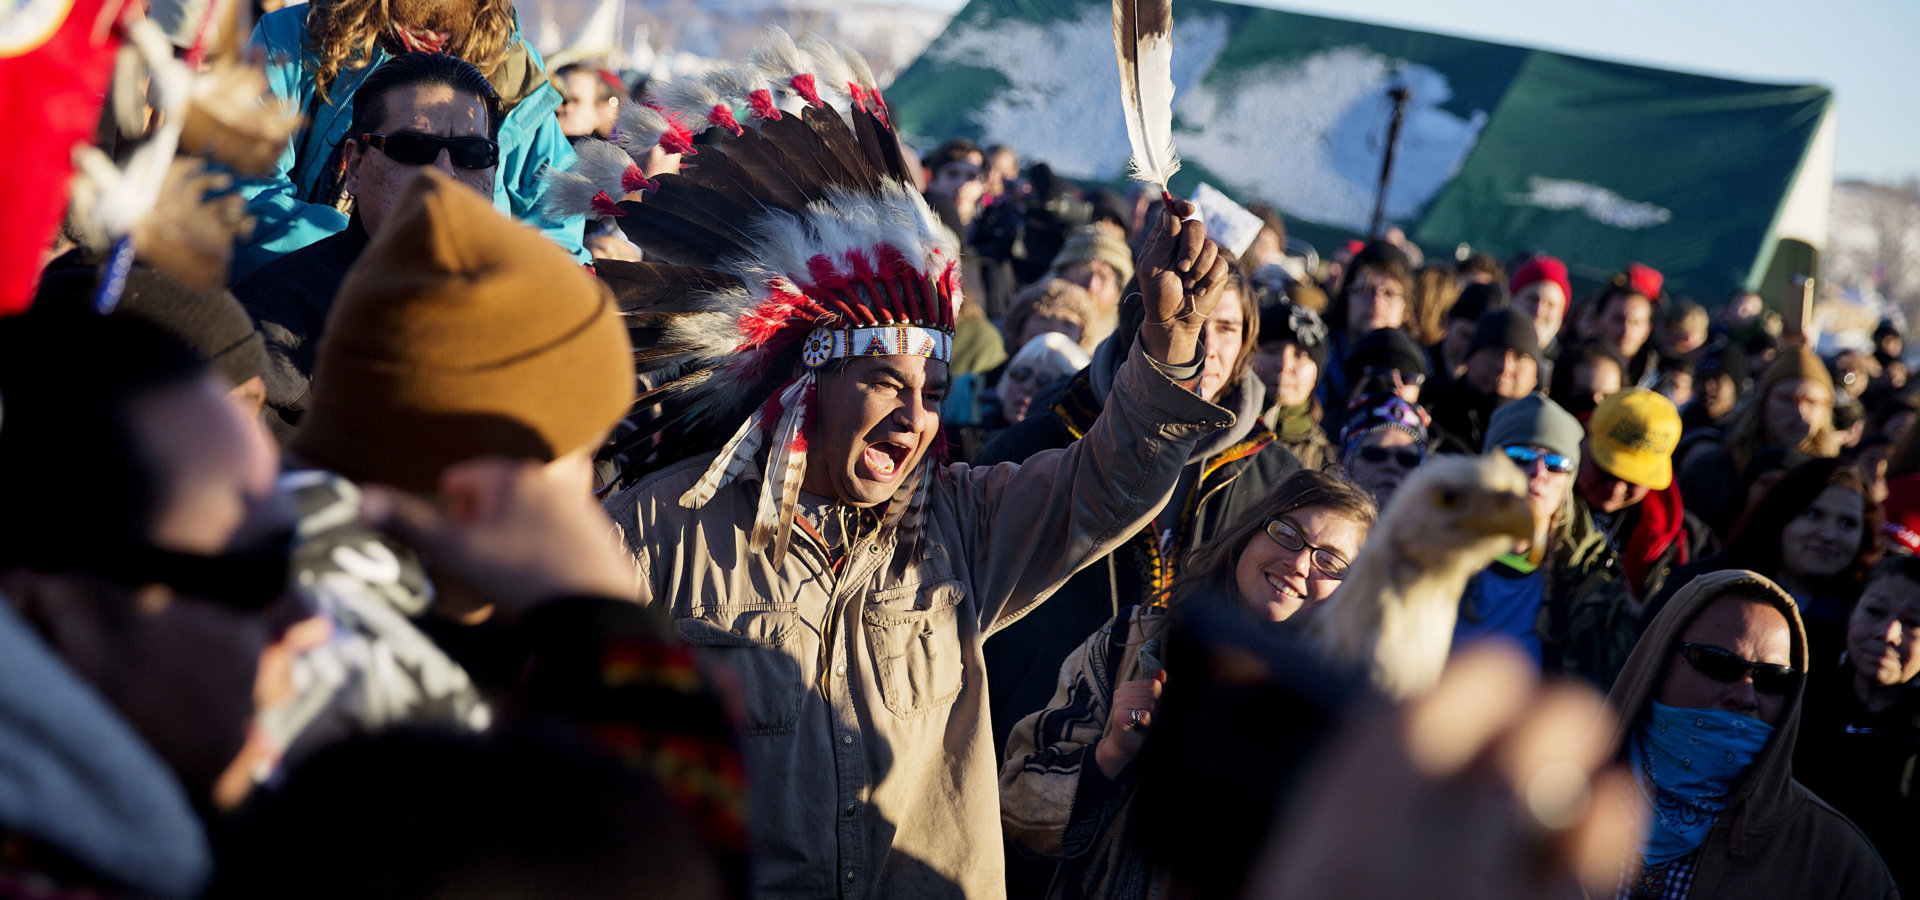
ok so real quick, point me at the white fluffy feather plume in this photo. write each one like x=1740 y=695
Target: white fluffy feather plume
x=1394 y=613
x=1143 y=44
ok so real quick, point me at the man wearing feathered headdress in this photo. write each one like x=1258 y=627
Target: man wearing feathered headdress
x=318 y=54
x=820 y=549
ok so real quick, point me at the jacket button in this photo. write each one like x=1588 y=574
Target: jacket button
x=876 y=549
x=850 y=876
x=852 y=808
x=839 y=670
x=846 y=739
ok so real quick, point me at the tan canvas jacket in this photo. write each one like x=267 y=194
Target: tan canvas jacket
x=866 y=740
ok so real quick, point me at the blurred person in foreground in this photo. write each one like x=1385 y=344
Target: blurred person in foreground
x=1711 y=704
x=1066 y=779
x=1860 y=736
x=139 y=550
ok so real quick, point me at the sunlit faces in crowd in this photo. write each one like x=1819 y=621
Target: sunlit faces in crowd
x=1288 y=371
x=1795 y=407
x=1545 y=304
x=1502 y=372
x=1384 y=459
x=874 y=419
x=1728 y=636
x=1883 y=632
x=1624 y=319
x=1299 y=559
x=1824 y=538
x=1376 y=298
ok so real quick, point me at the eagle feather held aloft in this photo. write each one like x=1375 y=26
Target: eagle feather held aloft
x=1143 y=45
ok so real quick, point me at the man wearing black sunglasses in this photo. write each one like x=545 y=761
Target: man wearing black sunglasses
x=415 y=112
x=1710 y=701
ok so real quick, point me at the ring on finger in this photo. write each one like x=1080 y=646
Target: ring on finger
x=1134 y=718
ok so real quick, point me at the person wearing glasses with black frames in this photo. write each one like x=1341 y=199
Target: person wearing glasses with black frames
x=1709 y=707
x=1067 y=779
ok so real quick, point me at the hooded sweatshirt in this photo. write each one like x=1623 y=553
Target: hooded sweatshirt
x=1775 y=839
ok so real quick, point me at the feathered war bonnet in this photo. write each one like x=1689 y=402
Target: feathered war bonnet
x=791 y=237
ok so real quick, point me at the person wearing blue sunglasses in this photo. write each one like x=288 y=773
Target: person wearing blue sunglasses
x=1543 y=440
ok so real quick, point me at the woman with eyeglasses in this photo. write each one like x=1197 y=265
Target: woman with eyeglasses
x=1816 y=534
x=1525 y=594
x=1066 y=785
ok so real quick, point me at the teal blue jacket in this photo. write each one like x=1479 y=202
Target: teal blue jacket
x=288 y=210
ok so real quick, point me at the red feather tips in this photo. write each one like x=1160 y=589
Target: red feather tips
x=606 y=206
x=784 y=309
x=859 y=95
x=809 y=90
x=721 y=116
x=634 y=179
x=762 y=103
x=677 y=138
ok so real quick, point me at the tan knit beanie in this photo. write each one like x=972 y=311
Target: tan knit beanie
x=1093 y=243
x=1796 y=363
x=461 y=334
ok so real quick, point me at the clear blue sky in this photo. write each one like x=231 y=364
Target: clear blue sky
x=1866 y=51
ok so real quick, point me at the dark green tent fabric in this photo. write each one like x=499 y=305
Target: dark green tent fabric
x=1504 y=147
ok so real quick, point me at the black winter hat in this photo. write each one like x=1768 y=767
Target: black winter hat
x=214 y=324
x=1385 y=348
x=1507 y=330
x=1477 y=298
x=1724 y=357
x=1285 y=320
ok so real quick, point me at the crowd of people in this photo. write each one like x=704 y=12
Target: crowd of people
x=693 y=492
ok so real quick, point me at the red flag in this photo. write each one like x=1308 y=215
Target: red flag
x=56 y=57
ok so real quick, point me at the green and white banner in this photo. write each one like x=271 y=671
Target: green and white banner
x=1502 y=147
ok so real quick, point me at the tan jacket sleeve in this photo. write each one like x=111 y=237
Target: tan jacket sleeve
x=1032 y=525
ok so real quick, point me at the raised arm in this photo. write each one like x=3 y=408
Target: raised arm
x=1033 y=525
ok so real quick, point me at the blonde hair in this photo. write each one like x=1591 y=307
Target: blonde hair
x=1435 y=288
x=341 y=32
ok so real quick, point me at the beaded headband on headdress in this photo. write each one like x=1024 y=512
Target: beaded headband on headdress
x=791 y=237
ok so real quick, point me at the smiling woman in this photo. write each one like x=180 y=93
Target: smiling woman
x=1062 y=792
x=1813 y=534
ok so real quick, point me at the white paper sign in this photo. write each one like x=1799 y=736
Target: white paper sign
x=1228 y=223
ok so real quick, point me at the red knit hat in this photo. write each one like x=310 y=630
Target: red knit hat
x=1645 y=279
x=1543 y=268
x=1903 y=511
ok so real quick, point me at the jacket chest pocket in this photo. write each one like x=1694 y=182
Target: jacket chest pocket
x=759 y=646
x=918 y=650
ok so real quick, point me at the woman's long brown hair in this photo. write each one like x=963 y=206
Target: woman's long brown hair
x=339 y=32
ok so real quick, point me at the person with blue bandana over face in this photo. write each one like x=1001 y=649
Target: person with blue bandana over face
x=1710 y=704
